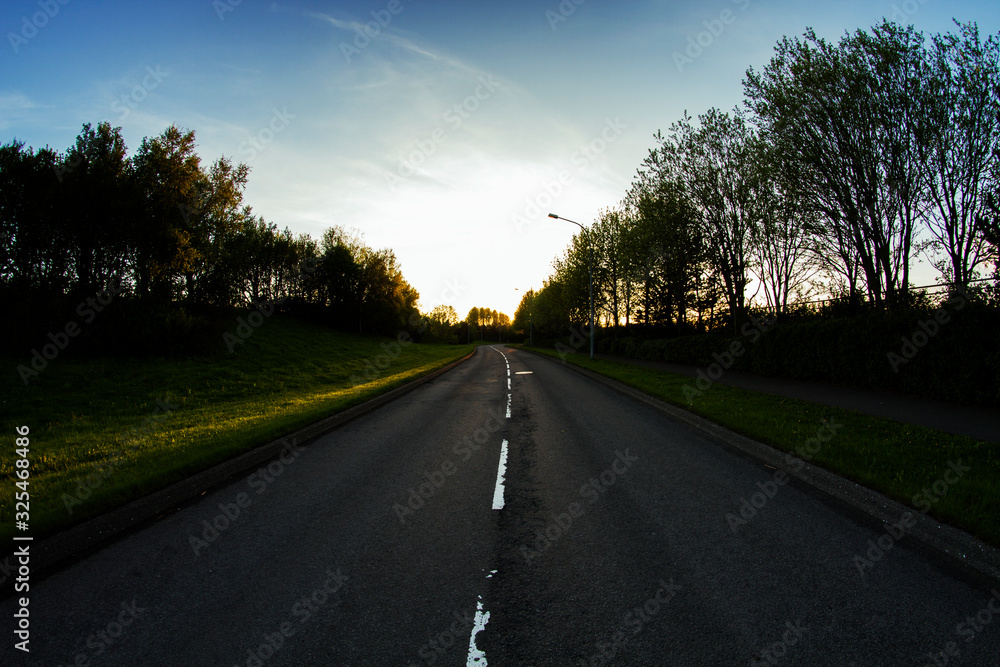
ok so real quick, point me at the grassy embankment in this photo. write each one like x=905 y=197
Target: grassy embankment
x=902 y=461
x=107 y=431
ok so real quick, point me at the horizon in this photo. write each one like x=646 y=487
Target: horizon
x=450 y=132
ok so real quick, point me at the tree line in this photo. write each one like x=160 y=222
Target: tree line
x=847 y=161
x=171 y=235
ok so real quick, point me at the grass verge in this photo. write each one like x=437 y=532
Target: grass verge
x=908 y=463
x=105 y=432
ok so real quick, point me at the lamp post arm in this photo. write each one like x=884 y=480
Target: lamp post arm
x=590 y=271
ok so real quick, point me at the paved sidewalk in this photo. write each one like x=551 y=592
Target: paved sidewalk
x=976 y=422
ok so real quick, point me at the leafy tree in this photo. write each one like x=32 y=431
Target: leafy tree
x=523 y=315
x=219 y=212
x=36 y=247
x=97 y=207
x=782 y=243
x=959 y=143
x=716 y=166
x=611 y=280
x=383 y=297
x=666 y=244
x=550 y=314
x=834 y=111
x=168 y=175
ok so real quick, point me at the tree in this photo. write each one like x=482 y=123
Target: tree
x=611 y=279
x=523 y=323
x=716 y=165
x=835 y=112
x=36 y=245
x=97 y=207
x=783 y=261
x=959 y=142
x=168 y=175
x=383 y=297
x=666 y=246
x=217 y=214
x=550 y=314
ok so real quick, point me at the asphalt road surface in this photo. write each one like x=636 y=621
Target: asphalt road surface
x=511 y=512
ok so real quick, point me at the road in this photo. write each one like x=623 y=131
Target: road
x=612 y=534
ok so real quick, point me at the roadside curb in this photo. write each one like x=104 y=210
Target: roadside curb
x=957 y=547
x=74 y=541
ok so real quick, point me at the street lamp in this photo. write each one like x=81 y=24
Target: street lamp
x=531 y=307
x=590 y=271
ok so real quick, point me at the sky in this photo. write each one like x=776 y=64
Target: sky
x=446 y=131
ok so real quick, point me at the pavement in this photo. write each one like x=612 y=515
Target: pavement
x=516 y=511
x=981 y=423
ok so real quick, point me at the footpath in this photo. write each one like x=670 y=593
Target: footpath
x=981 y=423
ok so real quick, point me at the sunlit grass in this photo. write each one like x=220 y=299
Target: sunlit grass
x=149 y=423
x=899 y=460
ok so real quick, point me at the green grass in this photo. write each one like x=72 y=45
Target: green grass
x=898 y=460
x=94 y=414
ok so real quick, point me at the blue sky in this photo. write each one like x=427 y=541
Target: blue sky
x=446 y=133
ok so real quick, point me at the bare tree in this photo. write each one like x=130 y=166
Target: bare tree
x=784 y=264
x=719 y=170
x=960 y=146
x=843 y=113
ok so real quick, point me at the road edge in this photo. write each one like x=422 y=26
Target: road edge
x=953 y=545
x=48 y=553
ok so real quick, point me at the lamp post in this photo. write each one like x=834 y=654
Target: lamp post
x=590 y=271
x=531 y=307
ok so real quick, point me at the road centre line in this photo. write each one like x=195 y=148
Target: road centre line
x=476 y=657
x=501 y=472
x=508 y=378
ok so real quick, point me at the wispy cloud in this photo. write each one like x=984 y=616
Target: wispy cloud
x=390 y=36
x=15 y=102
x=18 y=110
